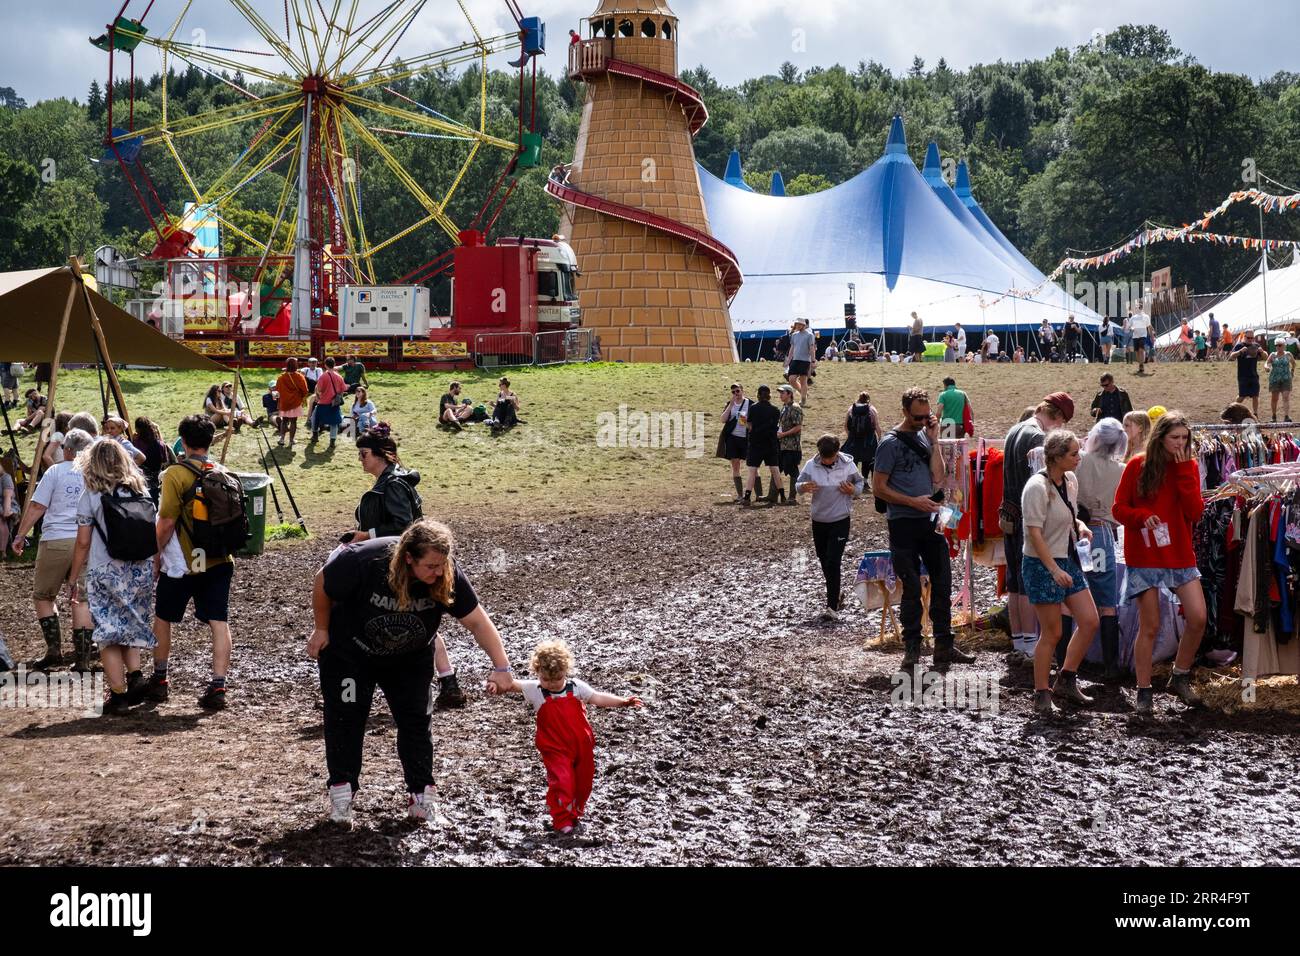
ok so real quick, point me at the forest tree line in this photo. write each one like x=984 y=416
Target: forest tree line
x=1069 y=153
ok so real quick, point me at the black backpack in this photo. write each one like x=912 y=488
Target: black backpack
x=860 y=421
x=218 y=519
x=129 y=531
x=411 y=479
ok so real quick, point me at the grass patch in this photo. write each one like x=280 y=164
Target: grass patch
x=288 y=531
x=561 y=461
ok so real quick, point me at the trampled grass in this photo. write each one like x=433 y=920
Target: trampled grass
x=570 y=455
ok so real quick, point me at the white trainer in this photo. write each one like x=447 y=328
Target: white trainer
x=424 y=806
x=341 y=804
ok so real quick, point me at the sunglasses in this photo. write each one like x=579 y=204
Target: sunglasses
x=920 y=418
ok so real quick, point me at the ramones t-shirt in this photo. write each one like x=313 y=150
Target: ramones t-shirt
x=365 y=613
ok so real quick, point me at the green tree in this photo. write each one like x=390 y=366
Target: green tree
x=804 y=149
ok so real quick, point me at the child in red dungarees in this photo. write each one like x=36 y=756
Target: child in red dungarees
x=564 y=736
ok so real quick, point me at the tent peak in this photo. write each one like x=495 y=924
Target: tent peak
x=778 y=184
x=897 y=141
x=963 y=181
x=933 y=170
x=734 y=175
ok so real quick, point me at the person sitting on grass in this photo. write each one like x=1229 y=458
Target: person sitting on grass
x=271 y=405
x=215 y=408
x=354 y=375
x=234 y=406
x=37 y=411
x=564 y=736
x=505 y=411
x=364 y=413
x=452 y=410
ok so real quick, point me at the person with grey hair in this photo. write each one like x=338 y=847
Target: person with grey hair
x=55 y=500
x=1098 y=474
x=1051 y=570
x=86 y=422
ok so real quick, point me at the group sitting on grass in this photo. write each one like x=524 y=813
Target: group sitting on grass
x=455 y=411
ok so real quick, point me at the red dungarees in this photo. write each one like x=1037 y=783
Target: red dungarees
x=567 y=745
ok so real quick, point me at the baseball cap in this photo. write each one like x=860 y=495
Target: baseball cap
x=785 y=388
x=1062 y=402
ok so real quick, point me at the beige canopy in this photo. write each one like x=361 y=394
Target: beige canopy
x=31 y=312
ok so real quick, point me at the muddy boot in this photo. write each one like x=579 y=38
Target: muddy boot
x=1110 y=648
x=949 y=653
x=740 y=488
x=1067 y=688
x=758 y=487
x=1144 y=706
x=745 y=502
x=1043 y=703
x=1181 y=684
x=53 y=641
x=911 y=657
x=792 y=497
x=86 y=654
x=780 y=496
x=450 y=696
x=772 y=493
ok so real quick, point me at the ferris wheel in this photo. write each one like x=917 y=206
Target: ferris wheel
x=314 y=101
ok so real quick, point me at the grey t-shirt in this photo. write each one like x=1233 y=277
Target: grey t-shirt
x=802 y=345
x=1023 y=436
x=908 y=474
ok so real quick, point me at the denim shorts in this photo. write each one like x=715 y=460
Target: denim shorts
x=1137 y=580
x=1103 y=580
x=1037 y=584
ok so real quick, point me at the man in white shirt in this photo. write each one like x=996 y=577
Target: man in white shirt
x=56 y=498
x=1138 y=325
x=961 y=342
x=991 y=345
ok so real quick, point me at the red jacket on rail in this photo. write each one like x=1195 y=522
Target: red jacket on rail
x=1177 y=503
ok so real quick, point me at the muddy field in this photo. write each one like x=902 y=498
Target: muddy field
x=767 y=738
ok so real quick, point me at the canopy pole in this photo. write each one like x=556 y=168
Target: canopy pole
x=260 y=439
x=42 y=438
x=230 y=427
x=101 y=345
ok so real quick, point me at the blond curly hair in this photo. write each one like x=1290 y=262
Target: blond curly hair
x=552 y=660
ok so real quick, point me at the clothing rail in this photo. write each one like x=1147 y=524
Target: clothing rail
x=1246 y=426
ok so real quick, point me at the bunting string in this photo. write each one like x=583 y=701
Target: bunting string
x=1191 y=232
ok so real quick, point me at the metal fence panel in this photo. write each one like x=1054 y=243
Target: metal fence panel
x=558 y=348
x=501 y=349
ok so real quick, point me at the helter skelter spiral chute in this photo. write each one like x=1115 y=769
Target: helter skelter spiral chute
x=314 y=101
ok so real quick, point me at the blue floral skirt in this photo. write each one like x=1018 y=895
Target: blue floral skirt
x=121 y=602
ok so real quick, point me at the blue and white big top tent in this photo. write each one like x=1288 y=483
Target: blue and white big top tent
x=907 y=241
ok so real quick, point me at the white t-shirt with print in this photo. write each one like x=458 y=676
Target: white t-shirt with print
x=59 y=491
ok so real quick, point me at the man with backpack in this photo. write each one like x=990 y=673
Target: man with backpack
x=203 y=506
x=909 y=467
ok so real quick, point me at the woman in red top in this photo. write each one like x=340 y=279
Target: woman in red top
x=1158 y=501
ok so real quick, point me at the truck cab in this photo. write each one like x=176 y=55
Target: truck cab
x=557 y=273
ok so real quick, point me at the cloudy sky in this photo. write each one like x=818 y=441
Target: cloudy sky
x=735 y=39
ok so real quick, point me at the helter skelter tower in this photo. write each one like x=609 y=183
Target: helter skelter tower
x=655 y=283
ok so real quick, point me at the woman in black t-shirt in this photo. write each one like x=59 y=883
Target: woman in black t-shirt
x=156 y=454
x=377 y=608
